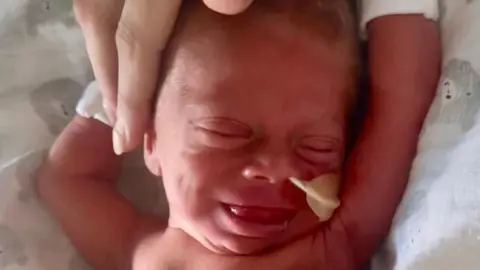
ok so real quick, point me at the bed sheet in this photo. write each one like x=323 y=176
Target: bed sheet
x=43 y=71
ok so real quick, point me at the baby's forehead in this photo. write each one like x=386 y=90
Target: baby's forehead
x=259 y=60
x=214 y=51
x=239 y=81
x=208 y=49
x=323 y=21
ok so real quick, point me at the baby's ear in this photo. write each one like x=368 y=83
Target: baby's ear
x=150 y=152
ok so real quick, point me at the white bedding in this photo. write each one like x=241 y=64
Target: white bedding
x=437 y=226
x=43 y=69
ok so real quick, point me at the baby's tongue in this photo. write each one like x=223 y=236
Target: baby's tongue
x=268 y=216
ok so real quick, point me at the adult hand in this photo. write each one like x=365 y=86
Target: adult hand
x=124 y=39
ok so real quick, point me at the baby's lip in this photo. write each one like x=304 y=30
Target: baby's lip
x=261 y=215
x=286 y=196
x=256 y=222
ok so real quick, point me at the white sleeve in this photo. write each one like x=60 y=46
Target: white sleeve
x=371 y=9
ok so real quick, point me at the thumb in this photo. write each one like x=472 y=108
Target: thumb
x=228 y=7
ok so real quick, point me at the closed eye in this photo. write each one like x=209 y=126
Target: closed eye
x=318 y=150
x=315 y=157
x=223 y=126
x=222 y=132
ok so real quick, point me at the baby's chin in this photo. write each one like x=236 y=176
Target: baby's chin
x=236 y=245
x=222 y=234
x=243 y=246
x=224 y=243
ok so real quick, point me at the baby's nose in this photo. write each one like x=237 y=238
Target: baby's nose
x=274 y=167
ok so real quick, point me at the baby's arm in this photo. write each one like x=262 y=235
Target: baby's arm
x=78 y=183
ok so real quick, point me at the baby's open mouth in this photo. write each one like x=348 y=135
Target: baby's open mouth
x=261 y=215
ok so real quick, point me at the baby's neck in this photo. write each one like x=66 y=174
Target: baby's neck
x=177 y=250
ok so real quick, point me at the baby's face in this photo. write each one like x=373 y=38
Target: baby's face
x=233 y=123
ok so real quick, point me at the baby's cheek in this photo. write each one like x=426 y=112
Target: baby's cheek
x=214 y=167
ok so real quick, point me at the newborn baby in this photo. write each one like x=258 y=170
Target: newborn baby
x=246 y=103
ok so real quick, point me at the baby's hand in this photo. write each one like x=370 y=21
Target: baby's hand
x=124 y=40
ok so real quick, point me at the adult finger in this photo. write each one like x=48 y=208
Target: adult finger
x=98 y=20
x=229 y=7
x=142 y=33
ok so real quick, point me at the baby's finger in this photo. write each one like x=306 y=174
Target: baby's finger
x=229 y=7
x=142 y=33
x=98 y=20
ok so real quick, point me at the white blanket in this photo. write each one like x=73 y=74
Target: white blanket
x=43 y=71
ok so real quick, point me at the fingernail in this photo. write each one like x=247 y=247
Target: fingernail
x=119 y=138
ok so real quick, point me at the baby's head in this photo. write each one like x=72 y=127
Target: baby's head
x=247 y=102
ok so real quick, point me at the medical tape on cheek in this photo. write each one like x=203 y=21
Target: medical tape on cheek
x=321 y=194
